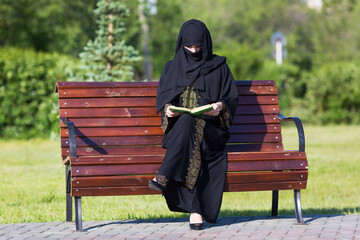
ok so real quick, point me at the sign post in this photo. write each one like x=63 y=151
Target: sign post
x=279 y=41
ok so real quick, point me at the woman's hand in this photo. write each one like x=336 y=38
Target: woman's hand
x=170 y=113
x=217 y=108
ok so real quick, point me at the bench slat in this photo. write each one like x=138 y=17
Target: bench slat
x=114 y=122
x=257 y=109
x=286 y=155
x=108 y=170
x=256 y=83
x=149 y=131
x=255 y=128
x=111 y=181
x=88 y=151
x=136 y=169
x=66 y=85
x=259 y=177
x=256 y=90
x=145 y=190
x=255 y=138
x=109 y=112
x=148 y=101
x=151 y=112
x=155 y=121
x=116 y=159
x=148 y=92
x=115 y=131
x=264 y=147
x=258 y=100
x=157 y=140
x=231 y=178
x=254 y=119
x=267 y=165
x=107 y=102
x=146 y=150
x=112 y=191
x=141 y=158
x=107 y=92
x=265 y=186
x=114 y=141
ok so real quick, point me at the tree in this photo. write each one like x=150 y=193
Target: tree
x=164 y=29
x=62 y=26
x=107 y=57
x=336 y=35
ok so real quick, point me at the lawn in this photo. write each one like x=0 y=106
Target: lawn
x=32 y=182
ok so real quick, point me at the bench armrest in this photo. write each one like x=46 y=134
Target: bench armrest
x=299 y=127
x=72 y=139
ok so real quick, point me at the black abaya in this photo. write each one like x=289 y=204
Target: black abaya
x=194 y=167
x=206 y=195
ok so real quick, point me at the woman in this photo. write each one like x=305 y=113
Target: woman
x=193 y=171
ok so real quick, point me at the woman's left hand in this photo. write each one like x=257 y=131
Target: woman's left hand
x=217 y=108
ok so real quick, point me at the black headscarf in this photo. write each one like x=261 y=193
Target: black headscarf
x=187 y=67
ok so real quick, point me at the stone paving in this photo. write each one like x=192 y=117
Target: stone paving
x=284 y=227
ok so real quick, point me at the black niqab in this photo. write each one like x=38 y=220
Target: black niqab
x=187 y=67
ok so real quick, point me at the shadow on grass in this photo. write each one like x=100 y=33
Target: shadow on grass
x=228 y=217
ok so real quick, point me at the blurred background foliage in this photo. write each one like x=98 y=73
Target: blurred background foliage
x=319 y=80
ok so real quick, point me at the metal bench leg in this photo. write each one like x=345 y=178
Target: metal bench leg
x=275 y=203
x=298 y=211
x=78 y=220
x=68 y=195
x=68 y=207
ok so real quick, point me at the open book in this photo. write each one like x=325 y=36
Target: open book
x=195 y=111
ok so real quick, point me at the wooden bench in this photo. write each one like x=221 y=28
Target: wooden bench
x=111 y=142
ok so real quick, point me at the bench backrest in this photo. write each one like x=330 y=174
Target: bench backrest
x=110 y=118
x=120 y=119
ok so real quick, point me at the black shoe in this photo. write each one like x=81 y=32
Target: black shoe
x=155 y=186
x=196 y=226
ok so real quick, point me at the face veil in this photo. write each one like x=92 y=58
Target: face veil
x=187 y=68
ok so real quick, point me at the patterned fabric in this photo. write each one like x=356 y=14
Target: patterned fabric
x=165 y=120
x=162 y=180
x=189 y=97
x=225 y=118
x=190 y=100
x=195 y=160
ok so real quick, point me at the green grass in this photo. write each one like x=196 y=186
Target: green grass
x=32 y=182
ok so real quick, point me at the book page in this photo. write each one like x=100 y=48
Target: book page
x=195 y=111
x=179 y=109
x=202 y=109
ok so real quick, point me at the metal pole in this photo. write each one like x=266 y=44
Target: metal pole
x=78 y=217
x=298 y=211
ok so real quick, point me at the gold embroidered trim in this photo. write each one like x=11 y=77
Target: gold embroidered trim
x=165 y=121
x=189 y=97
x=162 y=180
x=190 y=100
x=195 y=161
x=225 y=118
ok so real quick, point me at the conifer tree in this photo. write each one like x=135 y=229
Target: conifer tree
x=107 y=57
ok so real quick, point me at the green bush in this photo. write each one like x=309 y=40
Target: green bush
x=333 y=93
x=28 y=104
x=243 y=61
x=288 y=82
x=329 y=94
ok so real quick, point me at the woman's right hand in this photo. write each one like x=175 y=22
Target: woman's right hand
x=170 y=113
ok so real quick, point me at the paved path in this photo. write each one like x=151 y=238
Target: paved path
x=318 y=227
